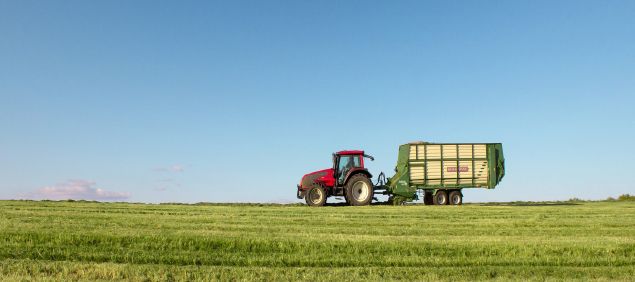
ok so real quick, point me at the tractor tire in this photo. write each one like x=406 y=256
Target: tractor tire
x=315 y=197
x=428 y=198
x=359 y=190
x=346 y=199
x=456 y=198
x=440 y=198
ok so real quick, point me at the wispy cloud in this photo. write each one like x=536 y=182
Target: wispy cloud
x=172 y=168
x=169 y=179
x=166 y=184
x=78 y=190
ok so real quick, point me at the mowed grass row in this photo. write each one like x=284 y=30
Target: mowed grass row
x=80 y=240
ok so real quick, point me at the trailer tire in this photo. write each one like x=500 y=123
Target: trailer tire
x=315 y=197
x=428 y=198
x=456 y=198
x=440 y=198
x=359 y=190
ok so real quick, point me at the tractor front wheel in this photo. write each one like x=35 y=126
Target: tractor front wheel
x=315 y=197
x=359 y=190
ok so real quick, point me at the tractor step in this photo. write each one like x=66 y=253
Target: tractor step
x=338 y=191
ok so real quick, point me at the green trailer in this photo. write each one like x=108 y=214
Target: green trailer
x=439 y=171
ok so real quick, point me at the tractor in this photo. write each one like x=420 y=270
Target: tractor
x=348 y=178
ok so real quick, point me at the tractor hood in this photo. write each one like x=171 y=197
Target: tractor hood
x=323 y=177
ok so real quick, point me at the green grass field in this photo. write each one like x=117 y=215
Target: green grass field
x=515 y=241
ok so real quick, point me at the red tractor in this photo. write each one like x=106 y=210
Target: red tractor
x=347 y=178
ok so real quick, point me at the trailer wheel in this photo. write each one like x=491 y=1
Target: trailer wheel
x=456 y=198
x=428 y=198
x=440 y=198
x=315 y=197
x=359 y=190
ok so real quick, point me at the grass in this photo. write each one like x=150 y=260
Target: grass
x=504 y=241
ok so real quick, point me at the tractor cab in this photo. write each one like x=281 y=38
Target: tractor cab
x=345 y=162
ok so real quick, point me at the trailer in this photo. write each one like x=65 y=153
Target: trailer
x=440 y=171
x=437 y=171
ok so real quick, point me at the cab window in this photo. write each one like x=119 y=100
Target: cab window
x=346 y=162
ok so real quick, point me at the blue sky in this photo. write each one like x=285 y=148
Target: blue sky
x=189 y=101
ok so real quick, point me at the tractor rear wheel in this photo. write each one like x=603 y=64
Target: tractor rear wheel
x=456 y=198
x=359 y=190
x=315 y=197
x=440 y=198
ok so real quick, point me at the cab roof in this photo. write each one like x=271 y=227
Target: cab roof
x=350 y=152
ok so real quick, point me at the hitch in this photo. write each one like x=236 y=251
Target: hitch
x=381 y=184
x=381 y=180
